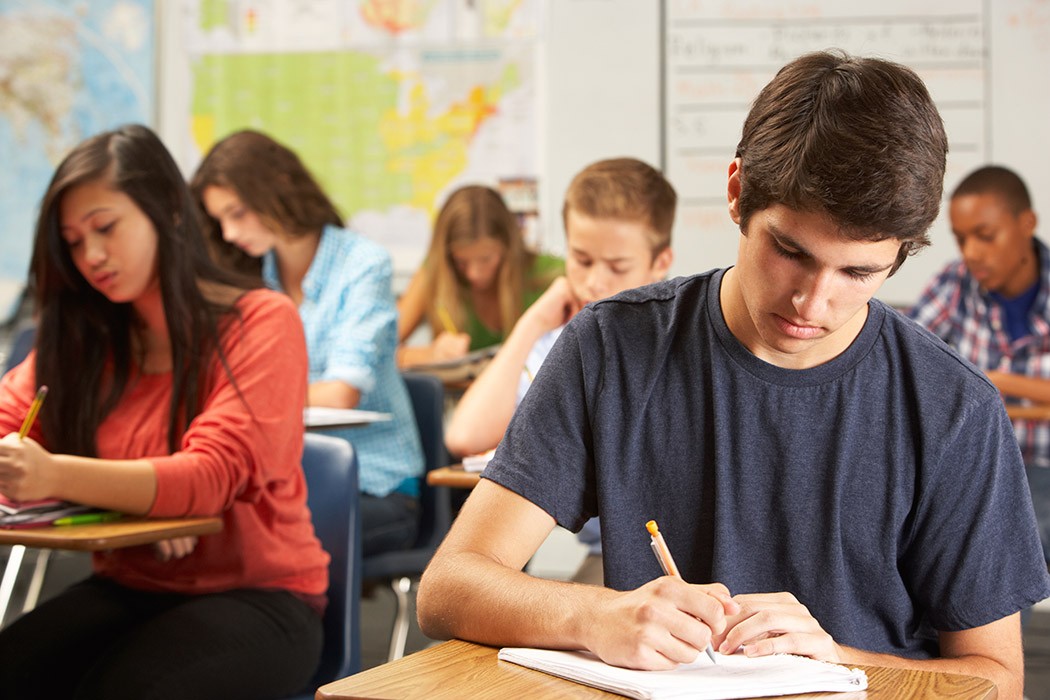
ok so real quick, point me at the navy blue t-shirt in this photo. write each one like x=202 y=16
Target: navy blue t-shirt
x=883 y=488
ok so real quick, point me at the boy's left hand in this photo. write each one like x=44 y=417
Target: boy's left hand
x=776 y=623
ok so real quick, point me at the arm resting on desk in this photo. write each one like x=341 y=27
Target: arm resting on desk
x=475 y=589
x=332 y=394
x=1022 y=386
x=28 y=471
x=992 y=651
x=776 y=623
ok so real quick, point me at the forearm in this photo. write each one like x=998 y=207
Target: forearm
x=1009 y=681
x=484 y=412
x=407 y=356
x=128 y=486
x=510 y=609
x=1034 y=389
x=333 y=394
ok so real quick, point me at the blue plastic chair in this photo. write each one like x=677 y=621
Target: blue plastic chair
x=399 y=568
x=330 y=466
x=21 y=344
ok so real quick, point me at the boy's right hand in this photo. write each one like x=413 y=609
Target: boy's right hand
x=554 y=308
x=660 y=625
x=449 y=346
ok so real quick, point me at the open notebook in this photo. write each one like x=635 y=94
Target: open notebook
x=735 y=676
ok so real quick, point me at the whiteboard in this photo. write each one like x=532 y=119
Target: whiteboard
x=984 y=64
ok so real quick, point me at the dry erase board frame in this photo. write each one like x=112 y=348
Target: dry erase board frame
x=716 y=56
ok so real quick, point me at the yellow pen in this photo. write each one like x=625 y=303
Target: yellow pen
x=446 y=320
x=663 y=555
x=34 y=408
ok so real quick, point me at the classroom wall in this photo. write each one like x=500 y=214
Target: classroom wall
x=601 y=95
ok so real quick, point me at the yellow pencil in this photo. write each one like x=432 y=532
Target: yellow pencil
x=663 y=555
x=446 y=320
x=34 y=408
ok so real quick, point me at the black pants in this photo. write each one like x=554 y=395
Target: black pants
x=101 y=640
x=389 y=523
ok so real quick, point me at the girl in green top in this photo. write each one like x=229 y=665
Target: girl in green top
x=477 y=279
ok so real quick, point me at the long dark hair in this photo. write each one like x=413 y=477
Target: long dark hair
x=271 y=180
x=84 y=341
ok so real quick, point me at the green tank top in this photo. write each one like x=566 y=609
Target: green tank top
x=544 y=269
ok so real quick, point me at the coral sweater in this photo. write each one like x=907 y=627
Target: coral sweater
x=239 y=458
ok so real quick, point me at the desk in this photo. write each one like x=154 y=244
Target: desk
x=463 y=670
x=126 y=532
x=1028 y=412
x=326 y=418
x=455 y=477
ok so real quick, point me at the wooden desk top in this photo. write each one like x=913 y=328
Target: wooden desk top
x=455 y=477
x=1028 y=412
x=463 y=670
x=126 y=532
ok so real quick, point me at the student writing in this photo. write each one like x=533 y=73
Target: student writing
x=778 y=422
x=478 y=278
x=174 y=390
x=259 y=199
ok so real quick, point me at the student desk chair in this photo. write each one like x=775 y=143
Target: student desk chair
x=401 y=567
x=330 y=467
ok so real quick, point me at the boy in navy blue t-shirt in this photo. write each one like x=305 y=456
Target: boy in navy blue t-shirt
x=832 y=480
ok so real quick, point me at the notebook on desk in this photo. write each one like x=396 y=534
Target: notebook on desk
x=735 y=676
x=461 y=369
x=37 y=513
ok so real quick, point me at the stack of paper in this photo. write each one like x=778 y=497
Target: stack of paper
x=735 y=676
x=36 y=513
x=477 y=463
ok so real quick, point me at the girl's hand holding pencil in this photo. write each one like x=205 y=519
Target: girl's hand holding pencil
x=23 y=462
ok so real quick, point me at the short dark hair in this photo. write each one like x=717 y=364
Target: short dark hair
x=998 y=180
x=856 y=138
x=626 y=189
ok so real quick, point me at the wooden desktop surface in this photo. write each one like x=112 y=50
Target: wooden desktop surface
x=1037 y=412
x=126 y=532
x=463 y=670
x=454 y=476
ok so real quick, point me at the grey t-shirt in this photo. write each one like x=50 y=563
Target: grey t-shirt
x=883 y=488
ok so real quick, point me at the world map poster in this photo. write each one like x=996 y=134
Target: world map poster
x=68 y=69
x=391 y=104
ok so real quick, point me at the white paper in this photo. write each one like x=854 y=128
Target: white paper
x=735 y=676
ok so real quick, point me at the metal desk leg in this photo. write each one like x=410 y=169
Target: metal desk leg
x=37 y=582
x=7 y=586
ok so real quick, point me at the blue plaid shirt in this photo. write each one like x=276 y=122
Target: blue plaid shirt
x=957 y=310
x=350 y=319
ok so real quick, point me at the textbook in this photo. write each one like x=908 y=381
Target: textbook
x=735 y=676
x=461 y=369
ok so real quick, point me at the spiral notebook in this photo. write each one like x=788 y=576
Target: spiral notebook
x=735 y=676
